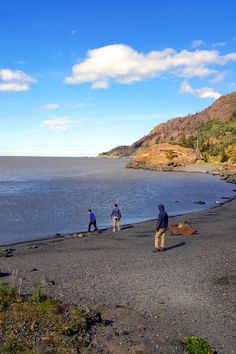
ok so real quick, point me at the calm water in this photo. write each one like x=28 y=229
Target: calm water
x=43 y=196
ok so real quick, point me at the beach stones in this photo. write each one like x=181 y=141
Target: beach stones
x=80 y=235
x=45 y=281
x=7 y=252
x=58 y=235
x=32 y=247
x=199 y=202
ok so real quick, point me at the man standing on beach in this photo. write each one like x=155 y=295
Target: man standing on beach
x=116 y=216
x=92 y=221
x=162 y=224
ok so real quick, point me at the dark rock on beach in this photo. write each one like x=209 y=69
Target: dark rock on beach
x=199 y=202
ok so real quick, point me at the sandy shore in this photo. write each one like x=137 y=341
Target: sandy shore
x=150 y=301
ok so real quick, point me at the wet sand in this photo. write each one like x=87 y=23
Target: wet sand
x=152 y=301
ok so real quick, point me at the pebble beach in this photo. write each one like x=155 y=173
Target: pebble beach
x=157 y=298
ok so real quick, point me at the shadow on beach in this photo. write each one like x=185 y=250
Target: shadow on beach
x=175 y=246
x=126 y=227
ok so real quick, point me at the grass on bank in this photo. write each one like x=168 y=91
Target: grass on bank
x=198 y=345
x=37 y=323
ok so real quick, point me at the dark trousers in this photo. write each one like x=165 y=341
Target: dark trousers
x=94 y=225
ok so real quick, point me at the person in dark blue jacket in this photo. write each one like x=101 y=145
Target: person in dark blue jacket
x=162 y=224
x=92 y=221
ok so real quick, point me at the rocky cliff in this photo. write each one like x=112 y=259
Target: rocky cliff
x=163 y=156
x=165 y=143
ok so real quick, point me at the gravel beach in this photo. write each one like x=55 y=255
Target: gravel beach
x=150 y=301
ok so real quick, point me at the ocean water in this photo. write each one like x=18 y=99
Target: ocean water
x=40 y=197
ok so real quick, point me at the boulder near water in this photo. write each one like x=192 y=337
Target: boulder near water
x=159 y=156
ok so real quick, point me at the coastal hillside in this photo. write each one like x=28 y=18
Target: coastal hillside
x=209 y=135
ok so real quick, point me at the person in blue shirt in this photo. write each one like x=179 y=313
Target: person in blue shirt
x=162 y=224
x=116 y=216
x=92 y=221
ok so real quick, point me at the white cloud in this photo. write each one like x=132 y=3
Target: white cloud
x=51 y=106
x=15 y=80
x=218 y=77
x=57 y=124
x=13 y=87
x=122 y=64
x=73 y=32
x=186 y=87
x=103 y=84
x=197 y=43
x=219 y=44
x=204 y=92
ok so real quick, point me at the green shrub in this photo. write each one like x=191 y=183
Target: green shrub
x=38 y=296
x=8 y=295
x=217 y=139
x=197 y=345
x=189 y=142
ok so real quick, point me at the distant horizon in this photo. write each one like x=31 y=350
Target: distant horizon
x=95 y=156
x=80 y=78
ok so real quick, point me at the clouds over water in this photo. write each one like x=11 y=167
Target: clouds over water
x=122 y=64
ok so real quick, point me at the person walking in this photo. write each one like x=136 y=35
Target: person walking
x=116 y=216
x=162 y=224
x=92 y=221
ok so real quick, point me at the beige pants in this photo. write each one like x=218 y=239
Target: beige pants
x=160 y=236
x=116 y=223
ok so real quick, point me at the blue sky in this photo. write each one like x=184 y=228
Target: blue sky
x=81 y=77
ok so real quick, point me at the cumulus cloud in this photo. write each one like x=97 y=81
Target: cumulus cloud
x=122 y=64
x=51 y=106
x=57 y=124
x=197 y=43
x=15 y=80
x=204 y=92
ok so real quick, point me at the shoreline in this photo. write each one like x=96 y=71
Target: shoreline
x=194 y=168
x=85 y=232
x=188 y=290
x=226 y=172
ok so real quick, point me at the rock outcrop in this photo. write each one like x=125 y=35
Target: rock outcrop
x=163 y=156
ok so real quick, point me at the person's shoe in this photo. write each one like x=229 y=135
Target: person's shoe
x=162 y=249
x=155 y=250
x=114 y=230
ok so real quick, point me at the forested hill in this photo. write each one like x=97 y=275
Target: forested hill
x=211 y=131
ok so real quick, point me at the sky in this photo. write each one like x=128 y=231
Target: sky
x=81 y=77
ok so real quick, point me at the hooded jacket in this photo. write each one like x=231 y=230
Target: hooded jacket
x=162 y=221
